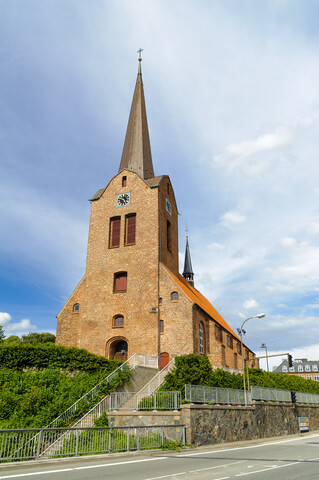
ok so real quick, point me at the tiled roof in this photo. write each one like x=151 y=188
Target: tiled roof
x=154 y=181
x=201 y=301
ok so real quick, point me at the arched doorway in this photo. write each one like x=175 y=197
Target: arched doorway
x=117 y=349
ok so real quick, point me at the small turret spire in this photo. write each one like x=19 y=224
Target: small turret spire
x=137 y=154
x=188 y=273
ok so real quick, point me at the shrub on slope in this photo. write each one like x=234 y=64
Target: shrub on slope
x=197 y=370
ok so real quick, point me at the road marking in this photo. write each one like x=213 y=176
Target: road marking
x=266 y=469
x=45 y=472
x=216 y=466
x=119 y=463
x=36 y=473
x=244 y=448
x=167 y=476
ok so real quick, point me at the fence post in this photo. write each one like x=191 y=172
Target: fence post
x=39 y=444
x=184 y=436
x=110 y=439
x=204 y=395
x=135 y=407
x=128 y=440
x=162 y=436
x=228 y=403
x=154 y=396
x=138 y=439
x=77 y=443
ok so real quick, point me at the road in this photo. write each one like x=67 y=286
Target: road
x=293 y=458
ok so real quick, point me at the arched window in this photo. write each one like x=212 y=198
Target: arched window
x=76 y=307
x=120 y=282
x=201 y=339
x=174 y=296
x=118 y=321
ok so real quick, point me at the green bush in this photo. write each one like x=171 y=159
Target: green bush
x=39 y=382
x=196 y=370
x=25 y=355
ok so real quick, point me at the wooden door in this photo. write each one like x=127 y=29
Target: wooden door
x=164 y=359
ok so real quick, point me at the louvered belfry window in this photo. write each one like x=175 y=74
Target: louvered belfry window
x=130 y=229
x=120 y=282
x=115 y=230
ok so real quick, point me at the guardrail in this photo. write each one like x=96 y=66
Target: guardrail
x=303 y=397
x=139 y=401
x=270 y=394
x=28 y=444
x=216 y=395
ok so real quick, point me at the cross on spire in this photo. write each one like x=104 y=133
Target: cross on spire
x=139 y=51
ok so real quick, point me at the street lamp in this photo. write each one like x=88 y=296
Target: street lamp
x=263 y=345
x=242 y=332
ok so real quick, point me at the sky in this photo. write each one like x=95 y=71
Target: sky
x=232 y=98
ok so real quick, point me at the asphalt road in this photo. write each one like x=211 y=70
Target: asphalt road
x=293 y=458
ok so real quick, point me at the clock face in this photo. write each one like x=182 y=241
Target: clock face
x=168 y=206
x=123 y=199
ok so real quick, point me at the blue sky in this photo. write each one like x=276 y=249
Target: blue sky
x=232 y=97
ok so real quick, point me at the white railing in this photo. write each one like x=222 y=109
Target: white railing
x=136 y=401
x=215 y=395
x=28 y=444
x=303 y=397
x=140 y=360
x=87 y=397
x=270 y=394
x=157 y=381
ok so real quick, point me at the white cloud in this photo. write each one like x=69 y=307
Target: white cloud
x=248 y=304
x=236 y=154
x=16 y=328
x=232 y=218
x=5 y=318
x=216 y=246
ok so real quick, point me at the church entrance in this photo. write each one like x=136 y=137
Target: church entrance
x=118 y=350
x=164 y=359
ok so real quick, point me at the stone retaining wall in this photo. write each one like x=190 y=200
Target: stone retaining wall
x=209 y=424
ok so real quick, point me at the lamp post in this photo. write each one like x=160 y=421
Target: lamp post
x=263 y=345
x=242 y=332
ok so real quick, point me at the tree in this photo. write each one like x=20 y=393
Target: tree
x=35 y=338
x=13 y=339
x=2 y=336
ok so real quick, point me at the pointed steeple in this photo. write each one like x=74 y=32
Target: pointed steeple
x=188 y=273
x=136 y=154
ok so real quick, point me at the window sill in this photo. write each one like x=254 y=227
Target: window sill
x=117 y=326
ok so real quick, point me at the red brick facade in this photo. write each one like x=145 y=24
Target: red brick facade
x=125 y=280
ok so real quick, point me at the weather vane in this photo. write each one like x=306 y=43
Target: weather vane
x=186 y=230
x=139 y=51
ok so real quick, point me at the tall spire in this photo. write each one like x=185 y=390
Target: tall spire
x=136 y=155
x=188 y=273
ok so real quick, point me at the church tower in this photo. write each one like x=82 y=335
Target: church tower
x=132 y=269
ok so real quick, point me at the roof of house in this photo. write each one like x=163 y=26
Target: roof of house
x=201 y=301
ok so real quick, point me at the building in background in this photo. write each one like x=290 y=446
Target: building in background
x=308 y=369
x=132 y=298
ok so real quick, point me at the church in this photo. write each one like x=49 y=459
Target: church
x=132 y=298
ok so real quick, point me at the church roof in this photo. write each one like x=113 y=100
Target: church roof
x=188 y=269
x=201 y=301
x=137 y=154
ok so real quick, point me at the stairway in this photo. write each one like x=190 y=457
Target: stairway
x=140 y=375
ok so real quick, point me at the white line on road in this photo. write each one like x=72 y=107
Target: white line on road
x=36 y=473
x=216 y=466
x=265 y=469
x=167 y=476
